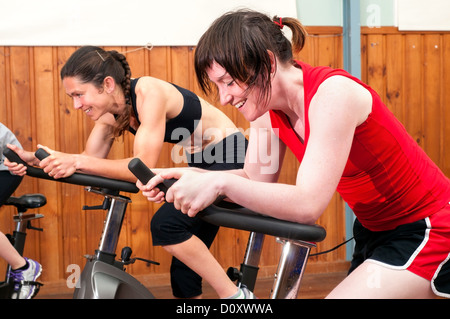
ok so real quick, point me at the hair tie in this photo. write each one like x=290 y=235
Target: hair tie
x=279 y=23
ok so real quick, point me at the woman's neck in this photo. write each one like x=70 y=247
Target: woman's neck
x=118 y=102
x=287 y=91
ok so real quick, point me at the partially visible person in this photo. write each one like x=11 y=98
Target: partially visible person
x=22 y=268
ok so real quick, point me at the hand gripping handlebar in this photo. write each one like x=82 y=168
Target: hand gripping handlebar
x=234 y=216
x=76 y=178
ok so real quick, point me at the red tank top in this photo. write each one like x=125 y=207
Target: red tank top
x=388 y=179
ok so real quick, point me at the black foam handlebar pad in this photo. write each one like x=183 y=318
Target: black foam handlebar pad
x=245 y=219
x=76 y=178
x=140 y=170
x=41 y=154
x=144 y=174
x=236 y=216
x=13 y=157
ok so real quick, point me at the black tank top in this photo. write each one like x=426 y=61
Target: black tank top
x=187 y=119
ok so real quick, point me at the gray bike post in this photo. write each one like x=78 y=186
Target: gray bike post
x=103 y=277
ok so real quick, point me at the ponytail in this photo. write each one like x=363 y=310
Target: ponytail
x=299 y=33
x=239 y=41
x=123 y=120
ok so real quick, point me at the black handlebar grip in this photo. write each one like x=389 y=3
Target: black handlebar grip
x=41 y=154
x=140 y=170
x=76 y=178
x=13 y=157
x=144 y=174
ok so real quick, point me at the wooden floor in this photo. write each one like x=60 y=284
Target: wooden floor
x=313 y=286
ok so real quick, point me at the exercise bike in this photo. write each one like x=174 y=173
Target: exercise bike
x=104 y=277
x=18 y=237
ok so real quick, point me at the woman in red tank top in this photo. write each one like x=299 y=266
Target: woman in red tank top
x=345 y=139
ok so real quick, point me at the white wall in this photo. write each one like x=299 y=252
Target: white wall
x=181 y=22
x=429 y=15
x=119 y=22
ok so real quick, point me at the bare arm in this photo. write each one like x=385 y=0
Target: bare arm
x=60 y=164
x=92 y=160
x=331 y=135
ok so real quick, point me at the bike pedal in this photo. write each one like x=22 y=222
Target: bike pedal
x=148 y=261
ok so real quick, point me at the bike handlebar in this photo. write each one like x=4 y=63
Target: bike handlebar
x=76 y=178
x=234 y=216
x=144 y=174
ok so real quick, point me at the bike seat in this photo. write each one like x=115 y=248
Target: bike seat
x=235 y=216
x=27 y=201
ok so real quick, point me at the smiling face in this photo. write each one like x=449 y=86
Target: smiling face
x=232 y=92
x=87 y=97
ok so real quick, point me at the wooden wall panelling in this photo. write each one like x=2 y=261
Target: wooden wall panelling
x=446 y=102
x=4 y=84
x=432 y=104
x=18 y=72
x=376 y=66
x=395 y=65
x=70 y=139
x=22 y=110
x=46 y=95
x=415 y=71
x=6 y=213
x=413 y=88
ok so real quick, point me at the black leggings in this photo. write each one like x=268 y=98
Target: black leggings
x=8 y=184
x=169 y=226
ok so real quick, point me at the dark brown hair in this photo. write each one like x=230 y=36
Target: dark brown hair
x=91 y=64
x=239 y=41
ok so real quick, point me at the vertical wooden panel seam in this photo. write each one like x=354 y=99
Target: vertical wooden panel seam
x=8 y=86
x=32 y=89
x=422 y=97
x=441 y=102
x=56 y=104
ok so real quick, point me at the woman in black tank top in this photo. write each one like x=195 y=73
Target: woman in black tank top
x=100 y=85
